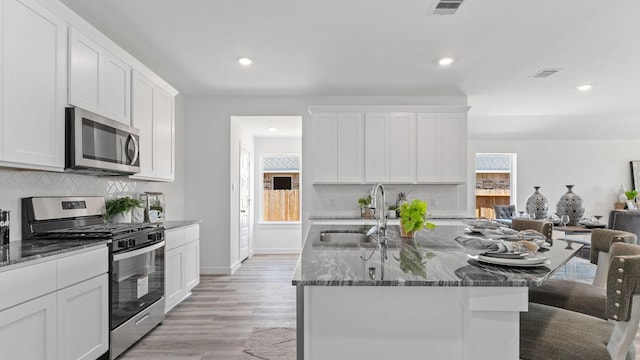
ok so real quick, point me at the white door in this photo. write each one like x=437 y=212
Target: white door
x=245 y=164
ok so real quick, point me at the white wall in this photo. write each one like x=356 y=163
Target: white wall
x=560 y=152
x=208 y=185
x=274 y=238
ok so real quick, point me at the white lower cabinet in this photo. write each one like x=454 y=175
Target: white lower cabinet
x=67 y=320
x=28 y=330
x=182 y=263
x=83 y=319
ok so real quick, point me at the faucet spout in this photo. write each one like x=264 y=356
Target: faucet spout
x=379 y=210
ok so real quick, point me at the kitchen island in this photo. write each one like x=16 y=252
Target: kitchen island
x=355 y=303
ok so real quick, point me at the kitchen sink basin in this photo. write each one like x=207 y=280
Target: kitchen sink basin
x=348 y=239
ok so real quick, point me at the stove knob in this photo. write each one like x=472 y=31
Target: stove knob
x=122 y=244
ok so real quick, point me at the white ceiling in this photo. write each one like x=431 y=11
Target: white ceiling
x=390 y=47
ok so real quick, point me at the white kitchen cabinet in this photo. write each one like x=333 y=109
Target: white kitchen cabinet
x=56 y=309
x=182 y=263
x=325 y=128
x=153 y=114
x=33 y=91
x=376 y=145
x=28 y=330
x=442 y=147
x=350 y=148
x=83 y=319
x=402 y=147
x=98 y=81
x=390 y=147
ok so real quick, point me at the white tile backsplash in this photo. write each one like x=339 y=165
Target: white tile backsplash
x=17 y=184
x=342 y=200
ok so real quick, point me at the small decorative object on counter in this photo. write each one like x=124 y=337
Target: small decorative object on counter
x=391 y=211
x=365 y=210
x=119 y=209
x=537 y=204
x=413 y=218
x=572 y=205
x=153 y=202
x=4 y=227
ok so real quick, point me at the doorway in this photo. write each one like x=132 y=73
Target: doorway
x=245 y=189
x=495 y=182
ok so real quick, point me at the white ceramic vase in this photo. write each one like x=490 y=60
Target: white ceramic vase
x=122 y=218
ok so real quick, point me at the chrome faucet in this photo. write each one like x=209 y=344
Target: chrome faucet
x=381 y=219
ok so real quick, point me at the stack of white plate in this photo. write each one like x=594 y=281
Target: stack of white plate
x=512 y=259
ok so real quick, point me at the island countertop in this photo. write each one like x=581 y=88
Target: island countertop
x=342 y=264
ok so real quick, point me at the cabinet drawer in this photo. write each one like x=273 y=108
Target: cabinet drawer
x=174 y=238
x=192 y=233
x=27 y=283
x=76 y=268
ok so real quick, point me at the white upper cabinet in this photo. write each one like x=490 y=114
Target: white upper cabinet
x=402 y=147
x=325 y=128
x=33 y=86
x=98 y=80
x=153 y=115
x=442 y=147
x=350 y=152
x=376 y=140
x=417 y=144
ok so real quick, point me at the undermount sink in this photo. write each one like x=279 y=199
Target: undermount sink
x=344 y=239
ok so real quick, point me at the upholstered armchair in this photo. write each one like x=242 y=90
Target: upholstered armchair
x=504 y=213
x=548 y=332
x=585 y=298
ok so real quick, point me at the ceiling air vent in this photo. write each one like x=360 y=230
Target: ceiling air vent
x=447 y=7
x=544 y=73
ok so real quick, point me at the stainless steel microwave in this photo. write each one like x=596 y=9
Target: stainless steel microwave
x=100 y=146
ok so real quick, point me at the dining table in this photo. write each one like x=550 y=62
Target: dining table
x=422 y=297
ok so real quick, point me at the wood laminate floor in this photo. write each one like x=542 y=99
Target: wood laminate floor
x=215 y=323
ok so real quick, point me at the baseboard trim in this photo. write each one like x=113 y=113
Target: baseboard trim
x=235 y=266
x=215 y=270
x=275 y=251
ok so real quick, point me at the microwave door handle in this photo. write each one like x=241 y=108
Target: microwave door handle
x=135 y=146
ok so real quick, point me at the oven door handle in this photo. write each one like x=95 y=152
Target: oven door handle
x=130 y=254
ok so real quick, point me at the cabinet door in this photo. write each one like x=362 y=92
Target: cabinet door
x=428 y=145
x=325 y=168
x=33 y=85
x=84 y=72
x=454 y=148
x=83 y=319
x=115 y=93
x=192 y=265
x=174 y=278
x=350 y=134
x=376 y=145
x=164 y=141
x=402 y=147
x=142 y=119
x=28 y=330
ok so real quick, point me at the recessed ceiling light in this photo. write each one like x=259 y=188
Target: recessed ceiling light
x=245 y=61
x=446 y=61
x=272 y=129
x=584 y=87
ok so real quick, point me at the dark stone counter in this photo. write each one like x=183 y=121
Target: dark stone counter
x=28 y=250
x=340 y=262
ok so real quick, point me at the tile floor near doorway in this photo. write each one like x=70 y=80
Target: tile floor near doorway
x=216 y=322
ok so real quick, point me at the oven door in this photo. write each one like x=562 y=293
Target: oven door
x=137 y=281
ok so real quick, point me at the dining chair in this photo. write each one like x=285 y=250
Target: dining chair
x=548 y=332
x=504 y=213
x=582 y=297
x=543 y=227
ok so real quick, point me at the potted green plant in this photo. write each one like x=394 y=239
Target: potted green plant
x=391 y=211
x=119 y=209
x=365 y=210
x=413 y=218
x=631 y=195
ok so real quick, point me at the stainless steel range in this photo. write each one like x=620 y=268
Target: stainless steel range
x=137 y=254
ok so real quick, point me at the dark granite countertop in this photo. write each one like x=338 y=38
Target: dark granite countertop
x=29 y=250
x=340 y=263
x=173 y=224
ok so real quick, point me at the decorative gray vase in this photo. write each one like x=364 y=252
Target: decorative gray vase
x=537 y=204
x=571 y=204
